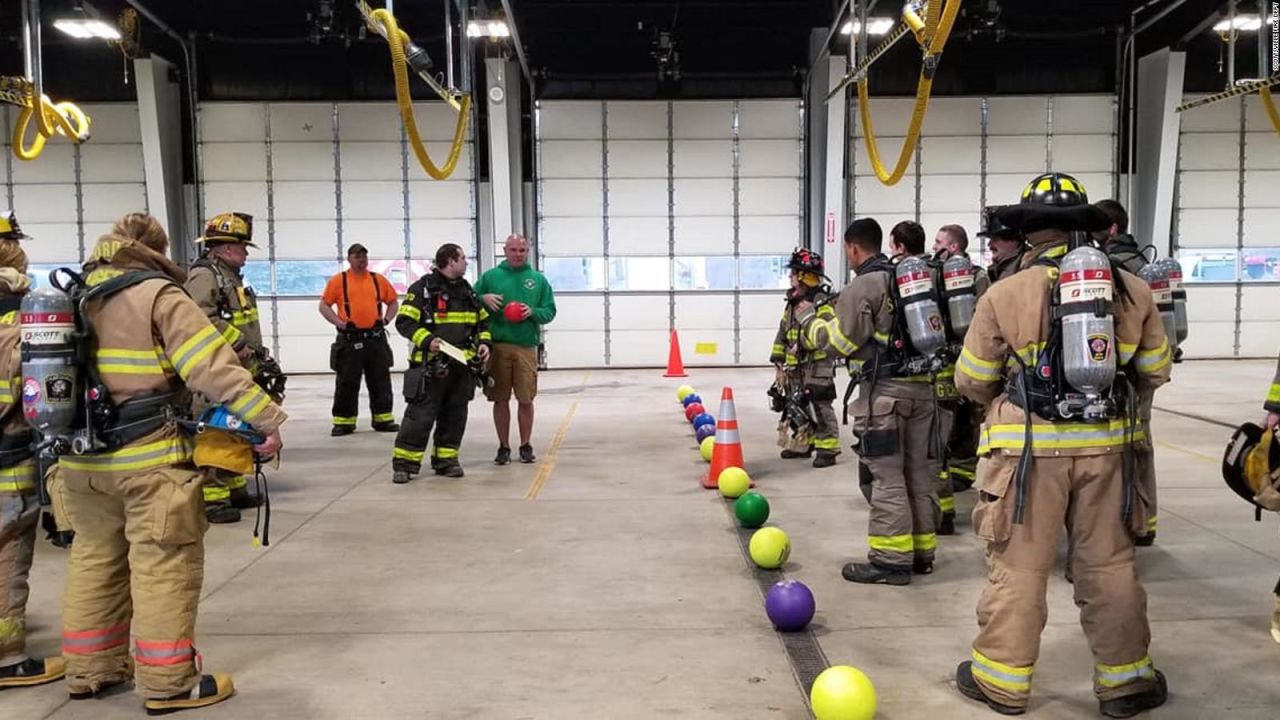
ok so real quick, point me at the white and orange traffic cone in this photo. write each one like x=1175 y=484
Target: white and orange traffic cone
x=728 y=451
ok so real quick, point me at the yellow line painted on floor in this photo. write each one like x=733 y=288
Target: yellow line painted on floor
x=549 y=461
x=1192 y=453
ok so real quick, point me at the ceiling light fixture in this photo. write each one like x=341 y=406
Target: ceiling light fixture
x=1243 y=23
x=86 y=28
x=496 y=29
x=875 y=26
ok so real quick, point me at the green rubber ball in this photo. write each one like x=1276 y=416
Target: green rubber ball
x=752 y=509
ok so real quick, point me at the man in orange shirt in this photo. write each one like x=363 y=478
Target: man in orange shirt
x=366 y=303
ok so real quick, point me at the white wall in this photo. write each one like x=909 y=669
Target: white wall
x=1227 y=239
x=318 y=177
x=655 y=215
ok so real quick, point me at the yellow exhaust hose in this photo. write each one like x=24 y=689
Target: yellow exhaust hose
x=1270 y=105
x=64 y=118
x=396 y=40
x=937 y=29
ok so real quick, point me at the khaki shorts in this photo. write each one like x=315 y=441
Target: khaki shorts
x=513 y=367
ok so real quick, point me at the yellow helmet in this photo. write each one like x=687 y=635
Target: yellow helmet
x=232 y=227
x=9 y=229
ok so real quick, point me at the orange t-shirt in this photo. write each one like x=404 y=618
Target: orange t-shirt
x=364 y=304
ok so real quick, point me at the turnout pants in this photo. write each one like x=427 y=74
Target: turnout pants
x=824 y=434
x=1144 y=456
x=894 y=448
x=1084 y=493
x=442 y=402
x=962 y=446
x=136 y=567
x=356 y=355
x=219 y=484
x=19 y=516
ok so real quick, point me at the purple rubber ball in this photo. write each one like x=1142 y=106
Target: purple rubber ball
x=790 y=605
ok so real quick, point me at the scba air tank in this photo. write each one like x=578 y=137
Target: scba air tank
x=1085 y=289
x=1174 y=270
x=49 y=373
x=920 y=306
x=1157 y=278
x=957 y=281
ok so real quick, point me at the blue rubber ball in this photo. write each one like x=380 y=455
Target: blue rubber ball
x=703 y=420
x=690 y=399
x=704 y=432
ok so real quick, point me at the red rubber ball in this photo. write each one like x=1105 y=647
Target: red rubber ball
x=514 y=312
x=693 y=411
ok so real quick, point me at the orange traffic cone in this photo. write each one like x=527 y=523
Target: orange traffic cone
x=728 y=452
x=675 y=366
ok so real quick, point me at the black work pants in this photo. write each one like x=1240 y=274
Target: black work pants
x=356 y=356
x=442 y=402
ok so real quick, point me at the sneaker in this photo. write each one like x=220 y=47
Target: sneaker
x=210 y=690
x=340 y=430
x=221 y=514
x=390 y=426
x=920 y=567
x=872 y=574
x=794 y=455
x=452 y=470
x=948 y=524
x=970 y=688
x=1146 y=540
x=504 y=456
x=400 y=477
x=1130 y=705
x=31 y=672
x=824 y=459
x=242 y=499
x=526 y=454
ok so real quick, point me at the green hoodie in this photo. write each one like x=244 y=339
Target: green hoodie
x=524 y=285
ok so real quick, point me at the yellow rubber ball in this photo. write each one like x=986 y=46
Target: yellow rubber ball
x=683 y=392
x=707 y=447
x=770 y=548
x=733 y=482
x=842 y=692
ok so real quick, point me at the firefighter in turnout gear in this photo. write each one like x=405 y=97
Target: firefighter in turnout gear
x=136 y=505
x=960 y=464
x=1272 y=406
x=806 y=375
x=448 y=328
x=893 y=413
x=1045 y=353
x=19 y=500
x=1123 y=250
x=1007 y=245
x=216 y=283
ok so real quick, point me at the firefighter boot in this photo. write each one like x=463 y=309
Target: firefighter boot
x=872 y=574
x=824 y=459
x=400 y=477
x=947 y=526
x=795 y=455
x=389 y=426
x=210 y=690
x=1130 y=705
x=1146 y=540
x=242 y=499
x=32 y=672
x=221 y=513
x=450 y=470
x=970 y=689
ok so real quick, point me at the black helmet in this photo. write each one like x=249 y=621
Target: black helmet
x=1057 y=189
x=991 y=225
x=805 y=260
x=1251 y=466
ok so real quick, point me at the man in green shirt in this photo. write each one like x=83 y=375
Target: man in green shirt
x=514 y=364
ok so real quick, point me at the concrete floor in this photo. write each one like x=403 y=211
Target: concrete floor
x=604 y=582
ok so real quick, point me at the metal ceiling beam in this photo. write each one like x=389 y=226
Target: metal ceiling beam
x=515 y=40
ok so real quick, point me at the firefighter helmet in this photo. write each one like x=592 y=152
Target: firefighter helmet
x=991 y=225
x=9 y=229
x=1056 y=189
x=232 y=227
x=1251 y=466
x=808 y=265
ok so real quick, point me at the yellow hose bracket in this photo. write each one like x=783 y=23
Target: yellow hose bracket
x=1268 y=103
x=944 y=20
x=384 y=23
x=63 y=118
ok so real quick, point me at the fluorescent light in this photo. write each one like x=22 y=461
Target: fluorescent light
x=85 y=28
x=488 y=28
x=875 y=26
x=1243 y=23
